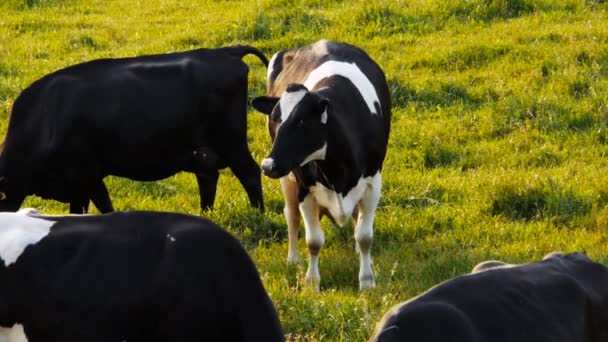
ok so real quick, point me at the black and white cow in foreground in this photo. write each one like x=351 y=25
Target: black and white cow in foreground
x=329 y=118
x=133 y=276
x=563 y=298
x=144 y=118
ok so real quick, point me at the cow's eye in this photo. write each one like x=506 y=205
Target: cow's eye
x=300 y=123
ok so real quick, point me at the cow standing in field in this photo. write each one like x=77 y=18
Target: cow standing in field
x=329 y=112
x=563 y=298
x=144 y=118
x=133 y=276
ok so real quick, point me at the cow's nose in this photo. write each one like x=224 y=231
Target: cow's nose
x=267 y=165
x=269 y=168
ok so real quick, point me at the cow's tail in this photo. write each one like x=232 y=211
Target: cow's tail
x=241 y=51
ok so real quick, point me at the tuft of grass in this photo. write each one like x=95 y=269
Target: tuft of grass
x=543 y=200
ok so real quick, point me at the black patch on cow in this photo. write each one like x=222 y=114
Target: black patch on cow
x=294 y=87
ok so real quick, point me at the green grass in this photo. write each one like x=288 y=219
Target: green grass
x=498 y=147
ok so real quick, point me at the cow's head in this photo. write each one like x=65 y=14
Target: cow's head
x=297 y=125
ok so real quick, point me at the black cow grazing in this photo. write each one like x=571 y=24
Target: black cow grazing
x=329 y=118
x=144 y=118
x=133 y=276
x=563 y=298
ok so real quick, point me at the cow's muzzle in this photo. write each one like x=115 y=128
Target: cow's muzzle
x=270 y=169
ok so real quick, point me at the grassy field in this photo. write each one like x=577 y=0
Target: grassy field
x=498 y=147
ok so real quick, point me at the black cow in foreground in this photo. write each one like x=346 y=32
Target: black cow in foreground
x=133 y=276
x=563 y=298
x=329 y=118
x=144 y=118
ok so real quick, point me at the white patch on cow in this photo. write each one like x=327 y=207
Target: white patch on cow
x=17 y=231
x=271 y=66
x=170 y=237
x=324 y=117
x=13 y=334
x=315 y=238
x=288 y=102
x=341 y=208
x=364 y=230
x=350 y=71
x=28 y=211
x=316 y=155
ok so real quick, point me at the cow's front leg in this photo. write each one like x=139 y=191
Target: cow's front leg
x=292 y=216
x=314 y=239
x=207 y=187
x=364 y=231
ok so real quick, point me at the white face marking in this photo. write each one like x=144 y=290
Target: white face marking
x=13 y=334
x=288 y=102
x=350 y=71
x=316 y=155
x=170 y=237
x=271 y=66
x=341 y=208
x=17 y=231
x=324 y=117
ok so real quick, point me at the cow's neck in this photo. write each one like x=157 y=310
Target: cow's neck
x=339 y=171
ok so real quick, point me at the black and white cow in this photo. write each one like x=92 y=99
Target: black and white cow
x=144 y=118
x=132 y=276
x=329 y=118
x=563 y=298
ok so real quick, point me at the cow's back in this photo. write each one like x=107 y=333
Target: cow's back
x=142 y=270
x=534 y=302
x=135 y=117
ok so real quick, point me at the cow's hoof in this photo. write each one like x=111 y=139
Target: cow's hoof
x=293 y=259
x=313 y=283
x=367 y=282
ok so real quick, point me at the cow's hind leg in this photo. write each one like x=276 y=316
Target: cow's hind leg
x=101 y=198
x=207 y=187
x=79 y=205
x=364 y=231
x=315 y=239
x=248 y=173
x=236 y=152
x=292 y=216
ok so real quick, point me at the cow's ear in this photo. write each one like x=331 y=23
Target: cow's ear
x=389 y=334
x=264 y=104
x=323 y=103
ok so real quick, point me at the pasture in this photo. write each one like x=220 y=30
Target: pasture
x=498 y=147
